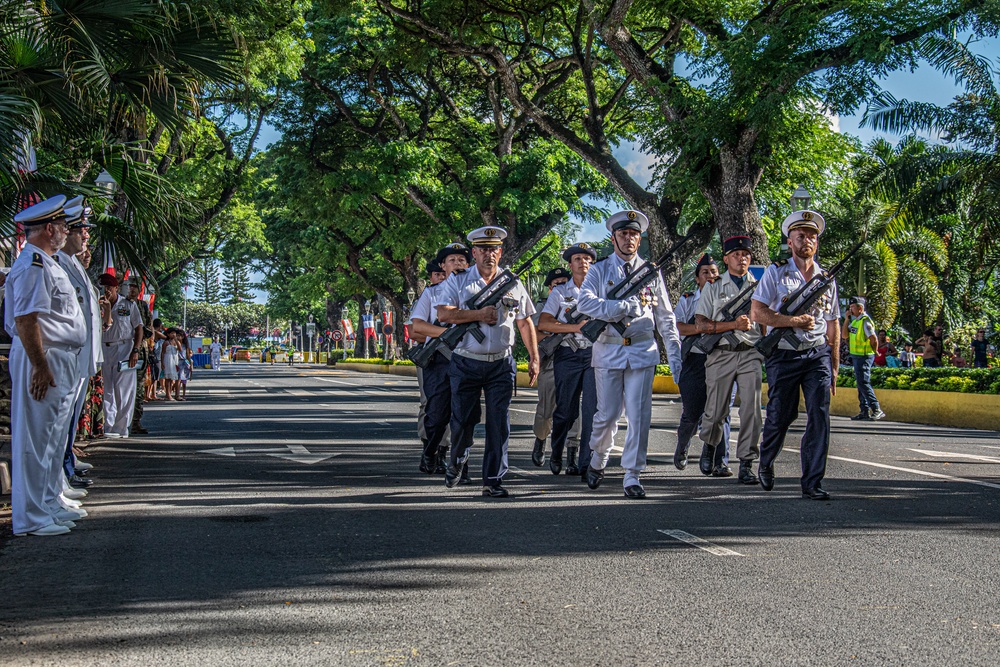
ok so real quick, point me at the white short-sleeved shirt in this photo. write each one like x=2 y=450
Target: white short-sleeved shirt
x=781 y=279
x=216 y=348
x=37 y=284
x=462 y=286
x=563 y=300
x=684 y=313
x=714 y=298
x=125 y=318
x=593 y=302
x=86 y=295
x=424 y=309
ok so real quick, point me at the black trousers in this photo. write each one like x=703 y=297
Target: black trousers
x=574 y=379
x=470 y=380
x=789 y=371
x=437 y=412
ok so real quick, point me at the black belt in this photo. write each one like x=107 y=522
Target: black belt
x=117 y=342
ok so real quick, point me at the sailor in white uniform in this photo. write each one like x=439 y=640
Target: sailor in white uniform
x=44 y=319
x=624 y=366
x=121 y=352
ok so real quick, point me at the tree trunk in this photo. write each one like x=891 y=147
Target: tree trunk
x=730 y=194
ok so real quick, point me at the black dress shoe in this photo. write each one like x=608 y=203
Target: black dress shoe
x=722 y=471
x=496 y=491
x=706 y=460
x=427 y=463
x=555 y=463
x=538 y=452
x=746 y=475
x=635 y=491
x=78 y=482
x=594 y=477
x=571 y=463
x=815 y=493
x=464 y=479
x=681 y=459
x=766 y=477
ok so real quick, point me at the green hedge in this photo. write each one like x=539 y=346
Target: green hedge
x=964 y=380
x=374 y=362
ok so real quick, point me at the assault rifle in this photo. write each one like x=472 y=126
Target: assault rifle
x=547 y=346
x=490 y=295
x=631 y=285
x=737 y=307
x=801 y=301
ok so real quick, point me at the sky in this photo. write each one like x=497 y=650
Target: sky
x=925 y=84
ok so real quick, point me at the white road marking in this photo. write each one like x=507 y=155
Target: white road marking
x=349 y=384
x=527 y=412
x=956 y=455
x=937 y=475
x=696 y=541
x=297 y=453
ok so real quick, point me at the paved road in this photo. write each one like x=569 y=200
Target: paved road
x=278 y=518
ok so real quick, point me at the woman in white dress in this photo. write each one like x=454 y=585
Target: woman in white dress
x=169 y=359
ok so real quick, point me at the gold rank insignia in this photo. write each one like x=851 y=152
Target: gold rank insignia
x=631 y=215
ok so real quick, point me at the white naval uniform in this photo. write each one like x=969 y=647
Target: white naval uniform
x=119 y=386
x=37 y=284
x=624 y=373
x=560 y=302
x=514 y=305
x=216 y=349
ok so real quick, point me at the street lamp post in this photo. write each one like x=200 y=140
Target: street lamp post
x=800 y=201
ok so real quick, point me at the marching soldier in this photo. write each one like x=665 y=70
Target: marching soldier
x=734 y=359
x=810 y=365
x=691 y=381
x=437 y=385
x=546 y=379
x=44 y=319
x=573 y=371
x=122 y=338
x=434 y=276
x=485 y=367
x=624 y=367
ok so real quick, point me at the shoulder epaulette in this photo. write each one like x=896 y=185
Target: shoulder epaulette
x=36 y=259
x=460 y=271
x=687 y=294
x=781 y=262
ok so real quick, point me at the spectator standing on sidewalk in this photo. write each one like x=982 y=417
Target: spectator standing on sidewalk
x=859 y=329
x=930 y=351
x=144 y=354
x=979 y=350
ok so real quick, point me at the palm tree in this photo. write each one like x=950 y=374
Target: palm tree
x=92 y=84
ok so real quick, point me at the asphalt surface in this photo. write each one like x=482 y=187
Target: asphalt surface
x=278 y=517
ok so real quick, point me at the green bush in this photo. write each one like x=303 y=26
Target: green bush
x=964 y=380
x=374 y=362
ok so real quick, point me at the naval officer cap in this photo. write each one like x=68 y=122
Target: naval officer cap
x=44 y=212
x=556 y=274
x=627 y=220
x=453 y=249
x=804 y=220
x=433 y=267
x=76 y=214
x=488 y=236
x=579 y=249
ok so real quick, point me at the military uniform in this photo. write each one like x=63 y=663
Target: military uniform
x=732 y=361
x=546 y=405
x=119 y=385
x=573 y=377
x=37 y=284
x=483 y=369
x=624 y=367
x=804 y=366
x=144 y=359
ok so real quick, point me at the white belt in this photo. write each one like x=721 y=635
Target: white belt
x=628 y=340
x=481 y=357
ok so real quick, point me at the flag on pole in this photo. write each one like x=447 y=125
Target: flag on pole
x=368 y=324
x=387 y=317
x=348 y=329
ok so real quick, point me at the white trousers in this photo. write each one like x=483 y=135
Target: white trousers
x=632 y=387
x=119 y=388
x=38 y=437
x=216 y=361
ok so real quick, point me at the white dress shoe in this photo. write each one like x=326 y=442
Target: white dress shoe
x=51 y=529
x=69 y=515
x=74 y=494
x=68 y=524
x=83 y=465
x=112 y=435
x=69 y=502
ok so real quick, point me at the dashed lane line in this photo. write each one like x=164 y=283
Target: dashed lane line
x=700 y=543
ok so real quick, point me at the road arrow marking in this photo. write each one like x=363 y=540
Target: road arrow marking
x=297 y=453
